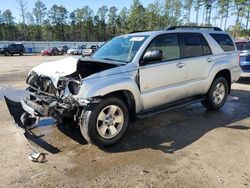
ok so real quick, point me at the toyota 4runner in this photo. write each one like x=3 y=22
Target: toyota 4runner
x=134 y=76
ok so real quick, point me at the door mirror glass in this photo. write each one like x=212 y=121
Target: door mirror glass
x=153 y=55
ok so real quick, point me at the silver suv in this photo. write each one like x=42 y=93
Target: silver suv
x=134 y=76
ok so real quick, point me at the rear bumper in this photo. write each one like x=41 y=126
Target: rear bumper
x=235 y=73
x=245 y=74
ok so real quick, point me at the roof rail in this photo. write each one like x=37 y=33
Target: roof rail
x=138 y=31
x=193 y=27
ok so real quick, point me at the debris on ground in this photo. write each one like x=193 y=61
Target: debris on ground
x=37 y=157
x=144 y=172
x=37 y=175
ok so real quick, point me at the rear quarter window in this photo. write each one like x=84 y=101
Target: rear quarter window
x=224 y=41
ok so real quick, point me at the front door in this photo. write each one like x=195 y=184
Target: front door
x=163 y=81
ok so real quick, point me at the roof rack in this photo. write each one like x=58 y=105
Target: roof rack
x=193 y=27
x=138 y=31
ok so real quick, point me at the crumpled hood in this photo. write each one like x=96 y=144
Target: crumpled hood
x=56 y=69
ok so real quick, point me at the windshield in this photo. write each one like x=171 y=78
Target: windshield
x=3 y=45
x=243 y=46
x=121 y=49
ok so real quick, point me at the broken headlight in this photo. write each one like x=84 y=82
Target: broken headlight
x=74 y=87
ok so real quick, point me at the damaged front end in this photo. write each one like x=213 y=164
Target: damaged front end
x=57 y=96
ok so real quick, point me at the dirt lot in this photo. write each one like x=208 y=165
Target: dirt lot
x=187 y=147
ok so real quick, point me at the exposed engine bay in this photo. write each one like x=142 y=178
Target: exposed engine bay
x=58 y=99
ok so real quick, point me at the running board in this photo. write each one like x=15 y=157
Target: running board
x=169 y=106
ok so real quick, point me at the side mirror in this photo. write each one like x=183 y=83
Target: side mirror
x=153 y=55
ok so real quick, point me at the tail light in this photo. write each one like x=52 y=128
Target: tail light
x=239 y=57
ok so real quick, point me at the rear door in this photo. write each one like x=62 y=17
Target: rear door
x=163 y=81
x=198 y=58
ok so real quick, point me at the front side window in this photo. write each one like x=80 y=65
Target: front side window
x=123 y=48
x=168 y=44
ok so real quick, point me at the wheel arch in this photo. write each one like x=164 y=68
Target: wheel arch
x=227 y=75
x=128 y=98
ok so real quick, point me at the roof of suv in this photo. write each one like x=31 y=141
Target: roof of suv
x=183 y=29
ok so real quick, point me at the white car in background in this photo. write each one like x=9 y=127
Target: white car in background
x=76 y=50
x=89 y=50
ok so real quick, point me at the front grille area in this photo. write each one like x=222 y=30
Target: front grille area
x=41 y=83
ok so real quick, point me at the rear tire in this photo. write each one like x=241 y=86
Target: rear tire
x=107 y=123
x=217 y=94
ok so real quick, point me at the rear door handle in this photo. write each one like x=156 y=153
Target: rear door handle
x=209 y=60
x=180 y=65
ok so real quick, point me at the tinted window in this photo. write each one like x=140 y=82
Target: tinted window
x=192 y=45
x=205 y=47
x=224 y=41
x=240 y=46
x=247 y=46
x=168 y=44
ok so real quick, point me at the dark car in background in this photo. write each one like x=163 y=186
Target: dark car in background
x=11 y=49
x=50 y=51
x=63 y=49
x=243 y=47
x=89 y=50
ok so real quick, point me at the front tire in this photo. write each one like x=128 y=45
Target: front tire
x=108 y=122
x=217 y=94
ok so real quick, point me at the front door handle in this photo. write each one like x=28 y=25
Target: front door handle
x=209 y=60
x=180 y=65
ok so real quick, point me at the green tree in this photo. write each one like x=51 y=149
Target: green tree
x=9 y=25
x=1 y=25
x=197 y=6
x=112 y=20
x=187 y=8
x=72 y=23
x=100 y=23
x=58 y=18
x=247 y=15
x=208 y=10
x=23 y=11
x=239 y=7
x=137 y=17
x=122 y=20
x=84 y=19
x=39 y=12
x=153 y=14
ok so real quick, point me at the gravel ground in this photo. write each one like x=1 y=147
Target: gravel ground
x=186 y=147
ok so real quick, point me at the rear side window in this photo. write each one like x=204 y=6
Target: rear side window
x=224 y=41
x=194 y=45
x=205 y=46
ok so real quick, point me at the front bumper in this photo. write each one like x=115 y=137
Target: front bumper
x=33 y=108
x=35 y=142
